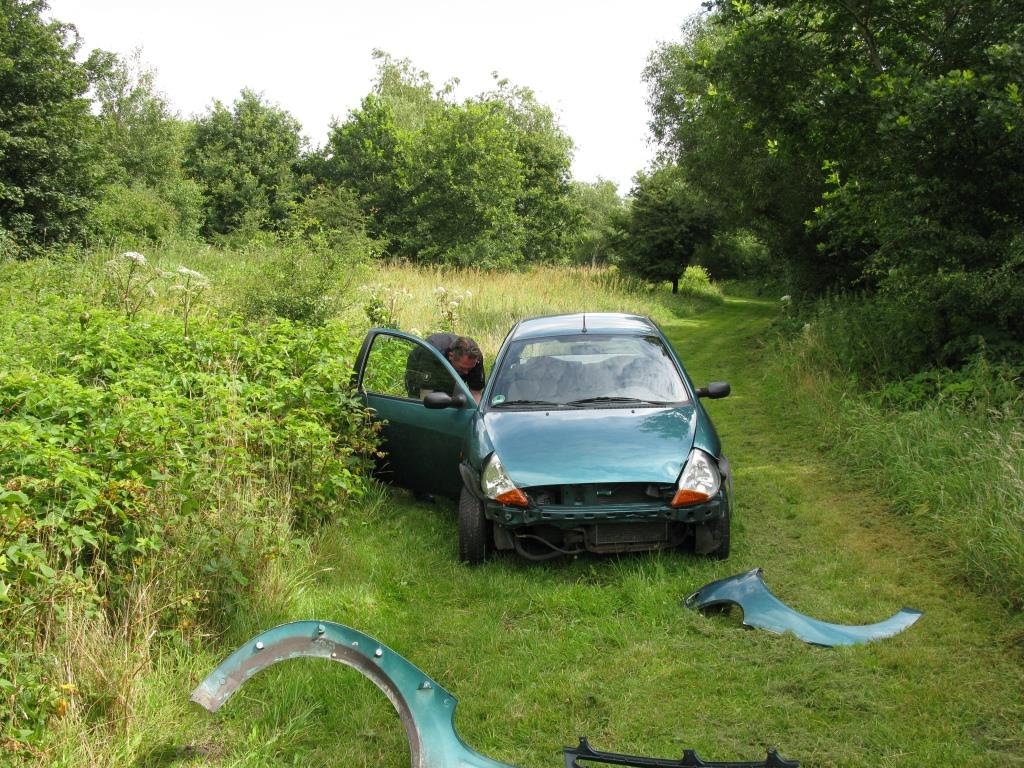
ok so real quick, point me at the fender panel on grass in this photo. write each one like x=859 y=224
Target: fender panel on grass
x=426 y=709
x=764 y=610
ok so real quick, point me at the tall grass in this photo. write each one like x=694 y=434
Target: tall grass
x=499 y=300
x=946 y=451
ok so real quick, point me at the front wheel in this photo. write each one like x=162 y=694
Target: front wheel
x=720 y=532
x=474 y=529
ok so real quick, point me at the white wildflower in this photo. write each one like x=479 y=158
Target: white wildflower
x=786 y=299
x=134 y=256
x=192 y=274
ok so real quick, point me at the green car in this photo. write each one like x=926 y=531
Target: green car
x=589 y=436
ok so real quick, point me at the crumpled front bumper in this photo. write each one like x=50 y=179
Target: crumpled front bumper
x=566 y=516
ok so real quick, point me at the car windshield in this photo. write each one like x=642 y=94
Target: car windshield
x=587 y=370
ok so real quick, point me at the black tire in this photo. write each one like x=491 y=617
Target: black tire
x=474 y=529
x=720 y=531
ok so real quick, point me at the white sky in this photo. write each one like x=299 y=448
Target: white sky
x=313 y=57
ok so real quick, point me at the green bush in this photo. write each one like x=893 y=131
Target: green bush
x=295 y=280
x=127 y=449
x=696 y=281
x=139 y=215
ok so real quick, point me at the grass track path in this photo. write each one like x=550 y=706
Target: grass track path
x=541 y=653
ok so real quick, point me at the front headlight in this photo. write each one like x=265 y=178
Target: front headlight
x=699 y=481
x=497 y=485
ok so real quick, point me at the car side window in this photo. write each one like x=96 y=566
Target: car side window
x=399 y=367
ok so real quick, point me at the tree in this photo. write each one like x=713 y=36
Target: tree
x=465 y=180
x=550 y=220
x=665 y=223
x=245 y=159
x=367 y=154
x=599 y=204
x=873 y=146
x=141 y=146
x=46 y=172
x=481 y=182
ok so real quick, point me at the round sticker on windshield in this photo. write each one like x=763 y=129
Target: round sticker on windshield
x=497 y=400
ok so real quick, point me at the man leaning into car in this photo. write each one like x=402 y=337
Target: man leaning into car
x=423 y=375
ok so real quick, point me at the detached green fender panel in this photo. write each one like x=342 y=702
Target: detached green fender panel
x=426 y=709
x=764 y=610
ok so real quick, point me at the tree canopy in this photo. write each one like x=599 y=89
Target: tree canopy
x=871 y=145
x=666 y=221
x=47 y=177
x=245 y=158
x=484 y=181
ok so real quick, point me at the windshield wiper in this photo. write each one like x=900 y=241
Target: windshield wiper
x=588 y=400
x=503 y=403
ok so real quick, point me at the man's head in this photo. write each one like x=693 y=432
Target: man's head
x=464 y=354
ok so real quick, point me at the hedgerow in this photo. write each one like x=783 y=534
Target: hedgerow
x=129 y=450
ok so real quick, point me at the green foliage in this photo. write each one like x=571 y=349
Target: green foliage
x=737 y=254
x=662 y=228
x=290 y=279
x=331 y=220
x=46 y=173
x=127 y=447
x=245 y=160
x=482 y=183
x=696 y=281
x=366 y=154
x=146 y=197
x=141 y=216
x=465 y=178
x=876 y=148
x=598 y=205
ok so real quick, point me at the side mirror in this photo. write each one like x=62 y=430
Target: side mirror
x=437 y=401
x=715 y=390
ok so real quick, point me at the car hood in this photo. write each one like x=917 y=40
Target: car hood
x=634 y=445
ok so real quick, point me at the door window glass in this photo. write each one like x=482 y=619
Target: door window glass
x=400 y=367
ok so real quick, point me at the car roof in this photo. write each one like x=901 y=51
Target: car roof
x=583 y=322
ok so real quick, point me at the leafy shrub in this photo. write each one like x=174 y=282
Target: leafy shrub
x=139 y=215
x=295 y=281
x=737 y=255
x=127 y=449
x=696 y=281
x=871 y=338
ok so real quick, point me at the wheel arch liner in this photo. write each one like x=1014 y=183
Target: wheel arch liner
x=425 y=708
x=764 y=610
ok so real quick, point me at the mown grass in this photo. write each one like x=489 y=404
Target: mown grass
x=952 y=463
x=539 y=654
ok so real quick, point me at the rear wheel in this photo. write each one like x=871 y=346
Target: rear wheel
x=474 y=529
